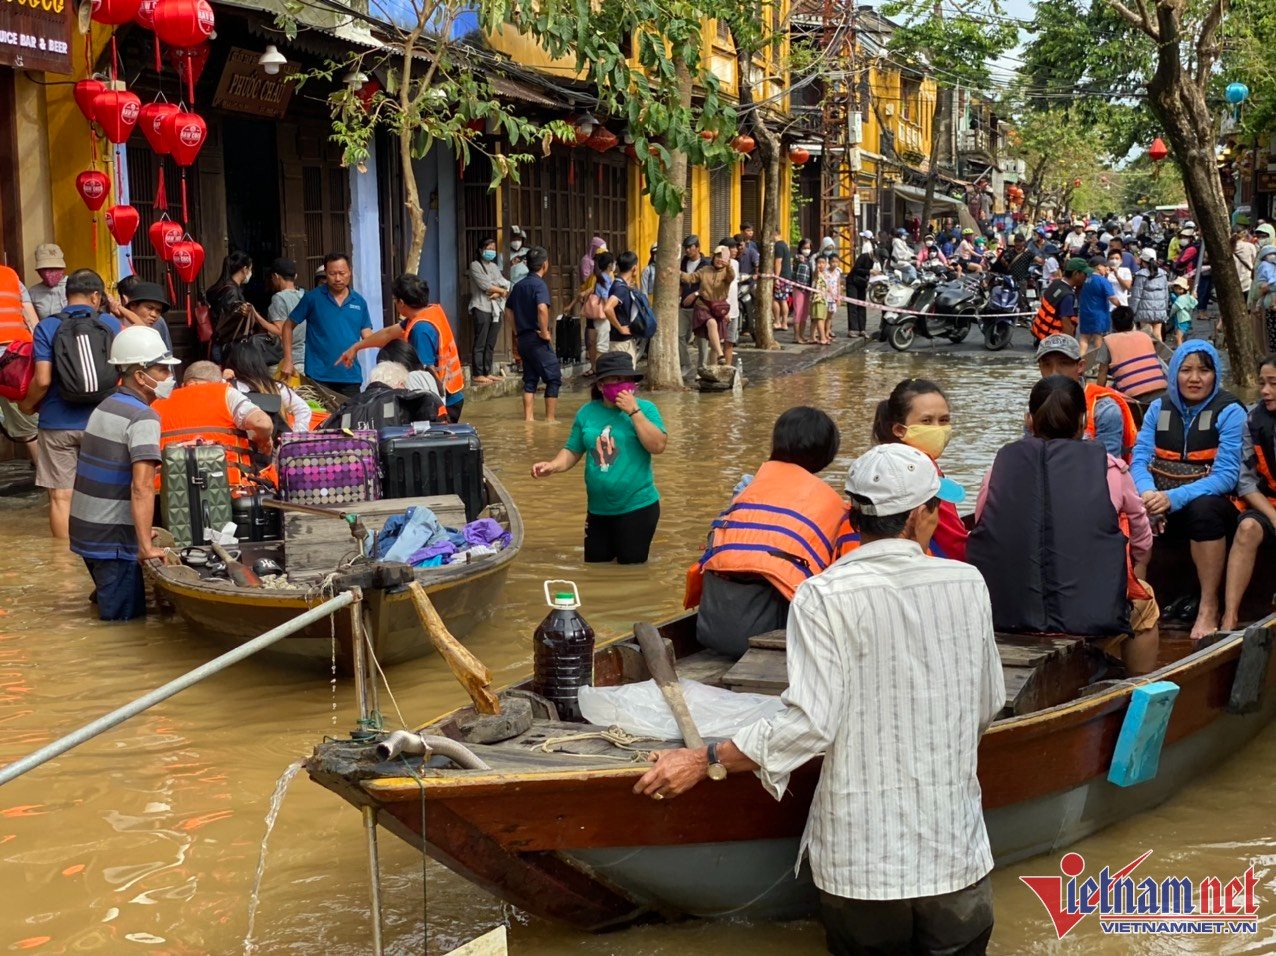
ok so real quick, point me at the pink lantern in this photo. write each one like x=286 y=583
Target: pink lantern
x=93 y=186
x=122 y=222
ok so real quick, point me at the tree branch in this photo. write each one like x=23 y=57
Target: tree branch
x=1140 y=21
x=1207 y=48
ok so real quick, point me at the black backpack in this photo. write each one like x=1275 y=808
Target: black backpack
x=81 y=349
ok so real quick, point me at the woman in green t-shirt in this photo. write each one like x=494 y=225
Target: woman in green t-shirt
x=621 y=432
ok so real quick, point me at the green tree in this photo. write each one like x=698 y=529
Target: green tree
x=1058 y=148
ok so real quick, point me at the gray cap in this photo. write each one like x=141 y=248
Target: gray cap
x=1063 y=344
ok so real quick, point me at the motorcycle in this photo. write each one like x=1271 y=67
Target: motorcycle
x=996 y=318
x=949 y=303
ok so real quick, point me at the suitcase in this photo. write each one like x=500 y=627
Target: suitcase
x=567 y=339
x=327 y=468
x=194 y=491
x=256 y=522
x=445 y=460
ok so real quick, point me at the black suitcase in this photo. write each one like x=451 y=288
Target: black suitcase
x=446 y=460
x=256 y=522
x=567 y=339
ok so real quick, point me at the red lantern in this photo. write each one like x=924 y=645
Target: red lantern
x=184 y=134
x=188 y=259
x=85 y=91
x=93 y=186
x=799 y=156
x=744 y=143
x=183 y=23
x=151 y=120
x=117 y=112
x=708 y=135
x=122 y=222
x=164 y=234
x=189 y=64
x=114 y=12
x=1158 y=151
x=146 y=14
x=1076 y=184
x=631 y=152
x=602 y=140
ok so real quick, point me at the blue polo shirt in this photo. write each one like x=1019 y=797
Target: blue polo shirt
x=1094 y=310
x=56 y=414
x=333 y=328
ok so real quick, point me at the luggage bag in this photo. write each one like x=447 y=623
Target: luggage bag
x=445 y=460
x=326 y=468
x=567 y=339
x=194 y=491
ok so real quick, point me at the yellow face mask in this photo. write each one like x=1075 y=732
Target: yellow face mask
x=931 y=439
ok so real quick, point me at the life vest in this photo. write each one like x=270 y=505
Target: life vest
x=1185 y=453
x=1134 y=367
x=1048 y=321
x=198 y=411
x=449 y=358
x=1129 y=430
x=1262 y=430
x=780 y=527
x=13 y=325
x=1049 y=544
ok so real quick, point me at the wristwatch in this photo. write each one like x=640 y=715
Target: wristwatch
x=716 y=770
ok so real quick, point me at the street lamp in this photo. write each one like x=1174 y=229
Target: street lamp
x=272 y=60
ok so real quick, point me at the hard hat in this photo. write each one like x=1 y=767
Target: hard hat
x=141 y=345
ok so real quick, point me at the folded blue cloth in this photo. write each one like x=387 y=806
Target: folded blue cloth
x=403 y=535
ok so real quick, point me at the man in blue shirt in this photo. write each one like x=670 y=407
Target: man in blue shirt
x=62 y=423
x=528 y=308
x=1094 y=305
x=337 y=315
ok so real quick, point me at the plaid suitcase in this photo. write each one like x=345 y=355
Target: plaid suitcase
x=194 y=491
x=328 y=468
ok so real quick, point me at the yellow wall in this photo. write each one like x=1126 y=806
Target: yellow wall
x=912 y=135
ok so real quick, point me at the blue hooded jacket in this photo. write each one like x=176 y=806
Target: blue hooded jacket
x=1231 y=430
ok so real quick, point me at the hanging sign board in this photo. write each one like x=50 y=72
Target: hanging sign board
x=36 y=35
x=246 y=88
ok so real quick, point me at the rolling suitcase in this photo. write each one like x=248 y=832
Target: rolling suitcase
x=194 y=491
x=256 y=522
x=328 y=468
x=567 y=339
x=445 y=460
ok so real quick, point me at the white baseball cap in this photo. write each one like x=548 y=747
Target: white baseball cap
x=1148 y=255
x=866 y=234
x=894 y=479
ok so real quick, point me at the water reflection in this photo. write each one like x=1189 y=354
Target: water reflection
x=150 y=837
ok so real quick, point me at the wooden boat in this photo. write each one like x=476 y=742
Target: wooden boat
x=554 y=828
x=464 y=595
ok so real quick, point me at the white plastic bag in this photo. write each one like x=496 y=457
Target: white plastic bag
x=641 y=709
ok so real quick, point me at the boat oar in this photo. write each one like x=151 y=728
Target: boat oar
x=660 y=664
x=469 y=670
x=241 y=574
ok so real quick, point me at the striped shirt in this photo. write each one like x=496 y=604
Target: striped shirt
x=893 y=676
x=122 y=430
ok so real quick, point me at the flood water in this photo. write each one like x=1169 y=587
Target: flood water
x=148 y=838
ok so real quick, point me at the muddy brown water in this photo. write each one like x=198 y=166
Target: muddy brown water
x=147 y=839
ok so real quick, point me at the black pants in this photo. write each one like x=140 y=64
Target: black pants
x=348 y=389
x=856 y=317
x=540 y=364
x=486 y=330
x=1207 y=518
x=624 y=538
x=454 y=411
x=953 y=924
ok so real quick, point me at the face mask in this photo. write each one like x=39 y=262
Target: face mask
x=1114 y=263
x=516 y=244
x=931 y=439
x=611 y=390
x=162 y=389
x=248 y=277
x=51 y=277
x=489 y=255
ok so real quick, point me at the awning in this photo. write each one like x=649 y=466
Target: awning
x=509 y=89
x=915 y=194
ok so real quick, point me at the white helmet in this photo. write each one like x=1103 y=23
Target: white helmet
x=140 y=345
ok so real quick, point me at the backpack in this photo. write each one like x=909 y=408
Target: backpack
x=642 y=317
x=81 y=348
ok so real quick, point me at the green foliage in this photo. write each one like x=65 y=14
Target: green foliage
x=956 y=44
x=1144 y=184
x=1059 y=147
x=1249 y=34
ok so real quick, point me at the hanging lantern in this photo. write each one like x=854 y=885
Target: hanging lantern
x=188 y=259
x=164 y=234
x=744 y=143
x=602 y=140
x=184 y=134
x=708 y=135
x=122 y=222
x=151 y=119
x=631 y=152
x=189 y=63
x=146 y=14
x=1157 y=151
x=183 y=23
x=117 y=112
x=1236 y=93
x=114 y=12
x=85 y=91
x=477 y=125
x=93 y=186
x=799 y=156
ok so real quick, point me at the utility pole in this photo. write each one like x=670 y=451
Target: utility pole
x=936 y=123
x=840 y=126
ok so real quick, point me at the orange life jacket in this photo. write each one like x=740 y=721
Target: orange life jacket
x=198 y=411
x=1048 y=321
x=449 y=363
x=1262 y=431
x=1134 y=367
x=13 y=325
x=781 y=527
x=1129 y=431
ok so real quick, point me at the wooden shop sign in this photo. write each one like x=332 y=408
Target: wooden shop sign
x=36 y=35
x=246 y=88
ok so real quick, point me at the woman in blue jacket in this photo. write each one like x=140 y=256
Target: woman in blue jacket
x=1186 y=463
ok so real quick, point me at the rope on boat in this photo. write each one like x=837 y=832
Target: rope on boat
x=614 y=735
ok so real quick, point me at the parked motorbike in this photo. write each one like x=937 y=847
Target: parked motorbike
x=996 y=318
x=949 y=303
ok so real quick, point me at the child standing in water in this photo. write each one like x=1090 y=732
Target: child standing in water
x=1181 y=306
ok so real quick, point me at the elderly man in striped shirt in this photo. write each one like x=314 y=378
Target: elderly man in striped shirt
x=893 y=676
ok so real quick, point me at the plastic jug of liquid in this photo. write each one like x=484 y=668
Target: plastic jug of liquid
x=563 y=650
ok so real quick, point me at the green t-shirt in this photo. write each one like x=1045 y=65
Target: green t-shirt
x=628 y=484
